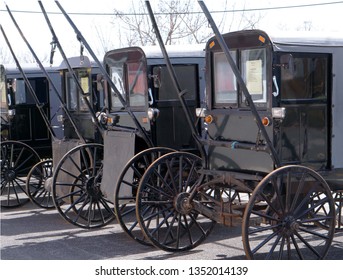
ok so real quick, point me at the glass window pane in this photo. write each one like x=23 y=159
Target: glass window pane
x=84 y=80
x=3 y=88
x=20 y=93
x=137 y=84
x=117 y=75
x=71 y=94
x=254 y=73
x=225 y=86
x=307 y=79
x=83 y=106
x=187 y=78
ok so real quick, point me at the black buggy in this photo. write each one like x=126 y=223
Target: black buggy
x=90 y=178
x=133 y=115
x=273 y=155
x=25 y=138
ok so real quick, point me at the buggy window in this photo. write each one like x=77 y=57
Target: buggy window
x=23 y=94
x=307 y=79
x=71 y=94
x=187 y=77
x=137 y=84
x=74 y=95
x=127 y=69
x=3 y=88
x=117 y=76
x=84 y=80
x=252 y=65
x=225 y=86
x=254 y=73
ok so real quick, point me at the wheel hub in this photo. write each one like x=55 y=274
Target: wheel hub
x=93 y=188
x=181 y=203
x=10 y=174
x=290 y=224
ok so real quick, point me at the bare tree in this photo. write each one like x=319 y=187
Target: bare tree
x=307 y=26
x=5 y=56
x=252 y=21
x=179 y=21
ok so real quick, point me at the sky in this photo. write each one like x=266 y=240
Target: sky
x=97 y=28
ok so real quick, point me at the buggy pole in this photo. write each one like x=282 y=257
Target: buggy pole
x=241 y=83
x=27 y=82
x=47 y=76
x=141 y=130
x=175 y=80
x=84 y=98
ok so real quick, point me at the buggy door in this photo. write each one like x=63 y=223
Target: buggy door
x=76 y=104
x=171 y=128
x=304 y=93
x=27 y=124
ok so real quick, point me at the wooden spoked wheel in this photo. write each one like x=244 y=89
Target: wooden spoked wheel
x=284 y=216
x=164 y=208
x=76 y=188
x=39 y=184
x=338 y=198
x=126 y=190
x=17 y=160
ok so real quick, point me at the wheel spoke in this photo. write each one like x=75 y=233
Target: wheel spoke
x=276 y=242
x=158 y=190
x=298 y=208
x=277 y=185
x=175 y=228
x=264 y=215
x=322 y=236
x=74 y=203
x=156 y=214
x=188 y=230
x=297 y=247
x=309 y=209
x=265 y=241
x=261 y=229
x=307 y=244
x=169 y=229
x=105 y=203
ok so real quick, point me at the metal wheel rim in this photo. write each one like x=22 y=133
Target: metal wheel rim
x=80 y=200
x=289 y=224
x=164 y=221
x=125 y=206
x=35 y=184
x=17 y=159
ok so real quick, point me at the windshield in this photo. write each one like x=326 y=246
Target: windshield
x=137 y=83
x=254 y=73
x=117 y=76
x=225 y=85
x=252 y=66
x=128 y=72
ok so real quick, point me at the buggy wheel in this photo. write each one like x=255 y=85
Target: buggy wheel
x=38 y=184
x=288 y=227
x=76 y=187
x=126 y=190
x=167 y=218
x=17 y=159
x=338 y=198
